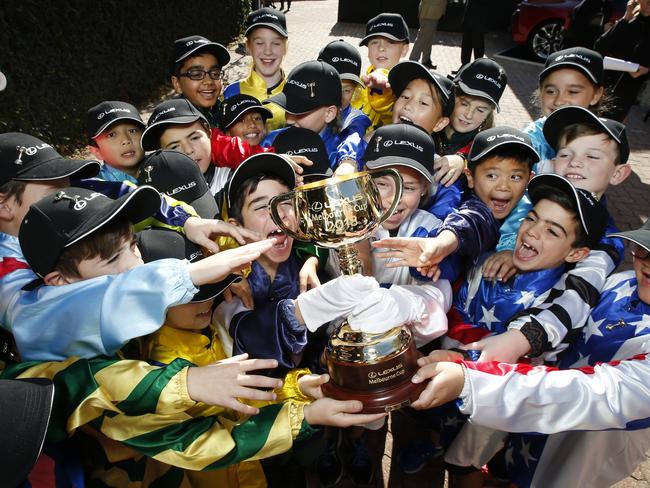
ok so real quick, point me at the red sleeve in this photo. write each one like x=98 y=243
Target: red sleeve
x=230 y=151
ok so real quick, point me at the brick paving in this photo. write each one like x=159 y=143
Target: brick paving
x=312 y=24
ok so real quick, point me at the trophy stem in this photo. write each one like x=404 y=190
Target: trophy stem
x=349 y=260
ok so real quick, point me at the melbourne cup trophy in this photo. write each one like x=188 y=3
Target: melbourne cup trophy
x=336 y=213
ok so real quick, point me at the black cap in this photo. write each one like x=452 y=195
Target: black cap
x=583 y=59
x=344 y=57
x=262 y=163
x=401 y=145
x=71 y=214
x=178 y=176
x=26 y=158
x=483 y=77
x=194 y=45
x=406 y=71
x=267 y=17
x=234 y=107
x=593 y=214
x=175 y=111
x=488 y=140
x=310 y=85
x=107 y=113
x=298 y=141
x=26 y=405
x=392 y=26
x=562 y=117
x=155 y=244
x=640 y=236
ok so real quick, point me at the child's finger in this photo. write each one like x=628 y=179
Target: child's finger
x=240 y=407
x=303 y=283
x=227 y=295
x=254 y=394
x=255 y=364
x=258 y=381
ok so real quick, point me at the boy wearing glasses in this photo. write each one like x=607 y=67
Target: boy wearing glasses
x=196 y=73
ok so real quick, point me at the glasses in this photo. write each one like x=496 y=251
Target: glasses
x=199 y=74
x=640 y=252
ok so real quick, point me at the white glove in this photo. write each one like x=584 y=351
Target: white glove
x=334 y=299
x=387 y=308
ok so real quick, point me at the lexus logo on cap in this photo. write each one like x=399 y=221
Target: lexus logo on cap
x=263 y=16
x=505 y=136
x=197 y=41
x=400 y=142
x=573 y=55
x=113 y=110
x=167 y=110
x=481 y=76
x=336 y=59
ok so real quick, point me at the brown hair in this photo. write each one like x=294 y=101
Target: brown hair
x=574 y=131
x=13 y=188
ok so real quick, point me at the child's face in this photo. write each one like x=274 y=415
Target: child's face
x=499 y=183
x=469 y=113
x=125 y=258
x=642 y=272
x=202 y=93
x=545 y=238
x=566 y=86
x=255 y=216
x=268 y=49
x=119 y=146
x=418 y=105
x=249 y=127
x=386 y=53
x=414 y=188
x=348 y=88
x=190 y=316
x=190 y=139
x=588 y=162
x=316 y=120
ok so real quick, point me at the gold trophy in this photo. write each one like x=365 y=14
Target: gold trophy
x=336 y=213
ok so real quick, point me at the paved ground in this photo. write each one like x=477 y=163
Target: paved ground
x=312 y=24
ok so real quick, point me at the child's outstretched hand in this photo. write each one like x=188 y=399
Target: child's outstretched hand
x=376 y=79
x=242 y=290
x=201 y=231
x=504 y=348
x=446 y=383
x=227 y=381
x=327 y=411
x=310 y=384
x=448 y=169
x=308 y=275
x=499 y=266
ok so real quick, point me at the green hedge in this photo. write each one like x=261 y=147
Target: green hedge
x=63 y=57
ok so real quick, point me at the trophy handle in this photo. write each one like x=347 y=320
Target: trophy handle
x=273 y=205
x=398 y=189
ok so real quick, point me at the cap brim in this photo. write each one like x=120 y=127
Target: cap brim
x=26 y=406
x=365 y=40
x=400 y=161
x=220 y=52
x=151 y=136
x=205 y=206
x=268 y=25
x=640 y=237
x=294 y=108
x=406 y=71
x=265 y=112
x=351 y=77
x=578 y=66
x=562 y=117
x=213 y=290
x=478 y=93
x=509 y=142
x=114 y=121
x=137 y=205
x=269 y=163
x=57 y=168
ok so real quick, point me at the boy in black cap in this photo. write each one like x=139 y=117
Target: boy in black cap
x=196 y=69
x=387 y=39
x=114 y=130
x=298 y=141
x=244 y=116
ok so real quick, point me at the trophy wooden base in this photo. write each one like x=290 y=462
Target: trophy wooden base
x=378 y=401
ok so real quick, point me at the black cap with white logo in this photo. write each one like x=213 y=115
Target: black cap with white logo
x=234 y=107
x=195 y=45
x=593 y=214
x=298 y=141
x=267 y=17
x=484 y=78
x=403 y=73
x=69 y=215
x=392 y=26
x=175 y=111
x=589 y=62
x=565 y=116
x=401 y=145
x=178 y=176
x=310 y=85
x=489 y=140
x=27 y=158
x=102 y=115
x=155 y=244
x=344 y=57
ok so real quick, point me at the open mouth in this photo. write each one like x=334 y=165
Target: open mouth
x=405 y=120
x=128 y=154
x=526 y=252
x=280 y=237
x=574 y=176
x=208 y=94
x=499 y=205
x=252 y=136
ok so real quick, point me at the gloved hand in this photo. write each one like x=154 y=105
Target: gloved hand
x=387 y=308
x=336 y=298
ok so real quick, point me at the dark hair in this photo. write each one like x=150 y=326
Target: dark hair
x=574 y=131
x=247 y=187
x=102 y=243
x=557 y=196
x=518 y=153
x=176 y=71
x=13 y=188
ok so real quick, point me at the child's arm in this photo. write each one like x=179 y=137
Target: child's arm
x=230 y=151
